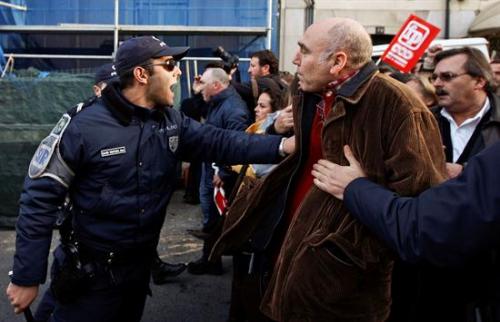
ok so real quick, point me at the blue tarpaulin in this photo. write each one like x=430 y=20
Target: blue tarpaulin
x=224 y=13
x=2 y=59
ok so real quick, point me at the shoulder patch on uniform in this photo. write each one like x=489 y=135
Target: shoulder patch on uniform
x=46 y=149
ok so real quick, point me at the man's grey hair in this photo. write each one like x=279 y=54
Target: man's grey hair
x=218 y=75
x=351 y=37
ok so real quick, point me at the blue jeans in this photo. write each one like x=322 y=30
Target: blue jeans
x=208 y=207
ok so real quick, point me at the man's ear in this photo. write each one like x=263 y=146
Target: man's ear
x=265 y=68
x=338 y=62
x=480 y=83
x=97 y=90
x=141 y=75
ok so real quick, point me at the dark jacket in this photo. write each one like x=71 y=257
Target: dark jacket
x=426 y=292
x=120 y=199
x=488 y=131
x=450 y=225
x=226 y=110
x=330 y=267
x=250 y=91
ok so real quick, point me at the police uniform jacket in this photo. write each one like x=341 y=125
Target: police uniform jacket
x=450 y=225
x=121 y=164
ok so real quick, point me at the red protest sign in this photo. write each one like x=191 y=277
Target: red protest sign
x=410 y=43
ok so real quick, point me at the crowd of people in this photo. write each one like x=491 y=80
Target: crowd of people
x=355 y=192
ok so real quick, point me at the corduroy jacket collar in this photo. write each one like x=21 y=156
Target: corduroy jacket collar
x=350 y=90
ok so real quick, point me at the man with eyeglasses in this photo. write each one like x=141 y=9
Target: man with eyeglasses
x=468 y=111
x=117 y=161
x=468 y=114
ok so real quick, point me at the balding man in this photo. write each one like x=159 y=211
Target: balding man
x=468 y=116
x=323 y=264
x=226 y=110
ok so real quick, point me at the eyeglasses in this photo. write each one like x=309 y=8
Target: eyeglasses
x=169 y=65
x=446 y=76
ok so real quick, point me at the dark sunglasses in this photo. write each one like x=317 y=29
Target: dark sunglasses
x=446 y=76
x=169 y=65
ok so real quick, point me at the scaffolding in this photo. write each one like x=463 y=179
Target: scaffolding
x=118 y=29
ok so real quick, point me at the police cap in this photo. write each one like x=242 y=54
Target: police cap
x=136 y=51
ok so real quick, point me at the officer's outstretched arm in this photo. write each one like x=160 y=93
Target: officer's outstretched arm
x=208 y=143
x=447 y=224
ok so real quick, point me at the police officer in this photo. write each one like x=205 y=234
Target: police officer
x=116 y=159
x=104 y=75
x=161 y=272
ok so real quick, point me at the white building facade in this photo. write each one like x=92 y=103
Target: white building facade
x=382 y=18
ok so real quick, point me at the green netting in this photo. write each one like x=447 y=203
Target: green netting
x=30 y=105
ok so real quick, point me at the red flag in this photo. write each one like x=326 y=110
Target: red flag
x=220 y=200
x=410 y=43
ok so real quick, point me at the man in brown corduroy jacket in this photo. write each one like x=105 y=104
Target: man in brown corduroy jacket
x=323 y=264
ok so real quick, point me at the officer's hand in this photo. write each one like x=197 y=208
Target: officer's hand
x=21 y=297
x=453 y=169
x=333 y=178
x=284 y=121
x=289 y=145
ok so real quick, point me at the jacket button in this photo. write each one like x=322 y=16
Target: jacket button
x=143 y=211
x=140 y=163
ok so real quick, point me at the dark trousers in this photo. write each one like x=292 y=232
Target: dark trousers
x=116 y=304
x=247 y=290
x=45 y=307
x=193 y=181
x=116 y=292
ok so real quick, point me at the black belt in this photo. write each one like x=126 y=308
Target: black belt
x=119 y=256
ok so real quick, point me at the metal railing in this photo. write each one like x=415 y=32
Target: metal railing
x=191 y=66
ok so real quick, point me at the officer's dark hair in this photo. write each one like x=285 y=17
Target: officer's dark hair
x=127 y=78
x=476 y=64
x=267 y=57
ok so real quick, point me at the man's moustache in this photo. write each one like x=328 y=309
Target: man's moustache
x=440 y=92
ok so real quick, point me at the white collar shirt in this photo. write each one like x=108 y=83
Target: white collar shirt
x=460 y=135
